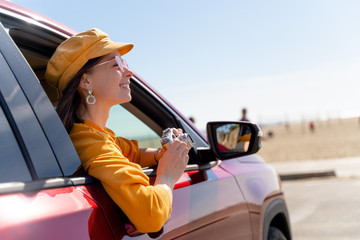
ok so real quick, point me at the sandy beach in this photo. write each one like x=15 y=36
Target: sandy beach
x=335 y=138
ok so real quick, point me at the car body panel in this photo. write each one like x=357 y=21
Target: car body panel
x=60 y=213
x=210 y=204
x=204 y=202
x=260 y=185
x=257 y=180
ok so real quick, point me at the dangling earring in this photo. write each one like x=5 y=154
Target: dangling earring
x=90 y=96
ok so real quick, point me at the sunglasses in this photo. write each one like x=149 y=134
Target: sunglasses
x=120 y=62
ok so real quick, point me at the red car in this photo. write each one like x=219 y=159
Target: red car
x=225 y=193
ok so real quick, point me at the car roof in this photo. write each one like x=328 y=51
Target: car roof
x=12 y=7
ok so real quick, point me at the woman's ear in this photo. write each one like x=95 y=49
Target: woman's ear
x=84 y=82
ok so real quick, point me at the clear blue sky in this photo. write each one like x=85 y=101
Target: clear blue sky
x=283 y=60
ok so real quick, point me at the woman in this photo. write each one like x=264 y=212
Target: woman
x=92 y=76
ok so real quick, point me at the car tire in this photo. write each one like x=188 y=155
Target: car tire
x=275 y=234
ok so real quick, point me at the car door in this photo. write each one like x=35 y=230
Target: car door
x=208 y=203
x=36 y=200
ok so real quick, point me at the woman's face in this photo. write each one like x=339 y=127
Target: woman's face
x=110 y=84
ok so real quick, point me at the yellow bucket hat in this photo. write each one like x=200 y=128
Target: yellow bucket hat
x=71 y=55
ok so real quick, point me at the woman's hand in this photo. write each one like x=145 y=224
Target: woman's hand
x=177 y=131
x=172 y=164
x=160 y=151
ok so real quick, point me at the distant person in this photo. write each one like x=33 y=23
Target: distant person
x=312 y=126
x=244 y=118
x=270 y=134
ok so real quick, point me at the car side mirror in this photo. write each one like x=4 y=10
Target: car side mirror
x=233 y=139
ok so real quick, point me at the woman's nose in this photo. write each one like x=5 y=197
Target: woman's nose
x=128 y=72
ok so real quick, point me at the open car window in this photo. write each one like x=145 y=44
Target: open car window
x=124 y=124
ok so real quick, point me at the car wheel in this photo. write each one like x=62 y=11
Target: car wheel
x=275 y=234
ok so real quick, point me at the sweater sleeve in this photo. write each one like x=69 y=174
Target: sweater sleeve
x=148 y=207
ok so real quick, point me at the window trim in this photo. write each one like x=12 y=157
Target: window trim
x=36 y=185
x=151 y=171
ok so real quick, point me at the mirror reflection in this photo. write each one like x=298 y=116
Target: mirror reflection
x=233 y=137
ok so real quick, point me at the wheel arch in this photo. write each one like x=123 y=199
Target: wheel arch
x=276 y=215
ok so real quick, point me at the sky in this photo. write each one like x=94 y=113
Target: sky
x=285 y=61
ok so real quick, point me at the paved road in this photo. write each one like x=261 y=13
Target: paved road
x=324 y=208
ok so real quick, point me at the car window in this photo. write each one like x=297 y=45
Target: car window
x=198 y=141
x=125 y=124
x=12 y=163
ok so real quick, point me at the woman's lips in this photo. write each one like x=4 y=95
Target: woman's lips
x=125 y=86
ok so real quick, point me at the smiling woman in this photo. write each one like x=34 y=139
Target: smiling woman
x=90 y=73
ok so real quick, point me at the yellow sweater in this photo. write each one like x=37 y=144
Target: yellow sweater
x=116 y=162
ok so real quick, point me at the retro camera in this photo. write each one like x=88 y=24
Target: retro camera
x=168 y=137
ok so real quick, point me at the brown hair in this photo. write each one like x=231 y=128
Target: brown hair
x=70 y=101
